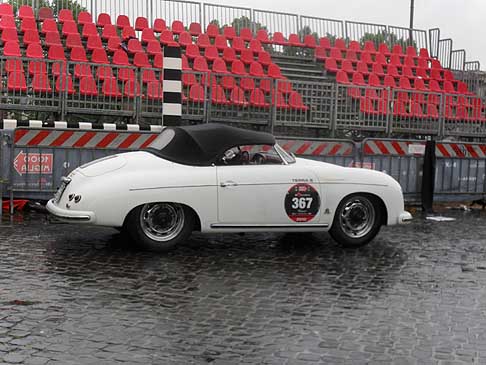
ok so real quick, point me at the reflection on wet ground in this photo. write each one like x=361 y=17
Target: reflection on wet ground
x=85 y=295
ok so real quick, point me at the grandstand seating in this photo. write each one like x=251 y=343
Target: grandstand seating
x=113 y=58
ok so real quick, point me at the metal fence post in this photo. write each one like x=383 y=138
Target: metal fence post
x=389 y=111
x=273 y=119
x=334 y=111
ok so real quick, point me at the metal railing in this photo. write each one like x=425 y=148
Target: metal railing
x=222 y=15
x=323 y=26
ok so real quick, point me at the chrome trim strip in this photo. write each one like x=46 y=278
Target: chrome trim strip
x=265 y=226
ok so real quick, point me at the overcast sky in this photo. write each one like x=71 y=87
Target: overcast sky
x=461 y=20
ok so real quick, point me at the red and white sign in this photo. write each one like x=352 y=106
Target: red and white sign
x=33 y=163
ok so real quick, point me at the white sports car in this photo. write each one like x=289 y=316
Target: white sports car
x=216 y=178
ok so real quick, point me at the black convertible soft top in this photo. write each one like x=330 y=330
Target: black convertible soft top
x=202 y=145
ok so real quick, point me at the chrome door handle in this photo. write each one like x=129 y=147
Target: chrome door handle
x=228 y=184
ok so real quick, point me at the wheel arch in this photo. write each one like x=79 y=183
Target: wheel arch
x=377 y=199
x=197 y=219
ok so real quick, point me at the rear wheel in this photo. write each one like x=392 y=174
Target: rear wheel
x=160 y=226
x=357 y=220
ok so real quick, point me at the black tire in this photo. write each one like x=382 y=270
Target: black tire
x=352 y=210
x=145 y=223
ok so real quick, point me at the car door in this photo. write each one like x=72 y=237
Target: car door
x=279 y=195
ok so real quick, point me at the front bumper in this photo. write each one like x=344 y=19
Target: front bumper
x=72 y=216
x=404 y=218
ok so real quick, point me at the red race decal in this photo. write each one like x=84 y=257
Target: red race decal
x=302 y=203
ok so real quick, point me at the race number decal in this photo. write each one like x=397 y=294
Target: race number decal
x=302 y=203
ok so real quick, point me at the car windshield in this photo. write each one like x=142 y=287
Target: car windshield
x=251 y=155
x=285 y=155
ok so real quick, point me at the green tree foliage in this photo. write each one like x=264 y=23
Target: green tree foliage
x=388 y=38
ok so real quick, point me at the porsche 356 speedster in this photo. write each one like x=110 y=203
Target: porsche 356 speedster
x=217 y=178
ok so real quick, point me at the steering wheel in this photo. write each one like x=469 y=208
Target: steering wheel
x=258 y=159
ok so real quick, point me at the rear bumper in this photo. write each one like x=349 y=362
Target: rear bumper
x=66 y=215
x=404 y=218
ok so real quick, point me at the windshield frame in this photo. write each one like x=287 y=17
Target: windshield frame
x=286 y=157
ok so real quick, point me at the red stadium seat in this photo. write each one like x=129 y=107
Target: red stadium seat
x=197 y=94
x=347 y=66
x=200 y=64
x=122 y=21
x=69 y=28
x=110 y=88
x=371 y=94
x=65 y=15
x=120 y=58
x=84 y=18
x=436 y=74
x=340 y=44
x=148 y=36
x=409 y=61
x=279 y=100
x=13 y=65
x=448 y=87
x=229 y=55
x=358 y=79
x=52 y=39
x=294 y=40
x=89 y=29
x=262 y=36
x=434 y=86
x=424 y=53
x=295 y=101
x=185 y=64
x=218 y=95
x=422 y=73
x=238 y=68
x=73 y=40
x=104 y=72
x=7 y=22
x=192 y=51
x=397 y=49
x=247 y=83
x=88 y=86
x=285 y=87
x=211 y=53
x=228 y=82
x=185 y=39
x=28 y=24
x=246 y=56
x=384 y=50
x=416 y=110
x=381 y=59
x=37 y=67
x=255 y=46
x=159 y=25
x=153 y=48
x=11 y=49
x=400 y=109
x=264 y=58
x=212 y=30
x=177 y=27
x=167 y=38
x=257 y=99
x=78 y=54
x=113 y=45
x=351 y=55
x=238 y=97
x=141 y=23
x=363 y=68
x=274 y=71
x=436 y=64
x=336 y=53
x=411 y=51
x=378 y=69
x=154 y=91
x=238 y=44
x=369 y=46
x=325 y=42
x=82 y=70
x=109 y=31
x=128 y=33
x=229 y=32
x=220 y=42
x=320 y=53
x=45 y=13
x=26 y=12
x=188 y=79
x=405 y=83
x=423 y=63
x=203 y=41
x=432 y=111
x=331 y=65
x=448 y=75
x=374 y=80
x=126 y=74
x=159 y=61
x=246 y=34
x=389 y=82
x=256 y=69
x=310 y=41
x=103 y=20
x=279 y=39
x=94 y=42
x=355 y=46
x=395 y=60
x=31 y=37
x=392 y=70
x=134 y=46
x=419 y=85
x=10 y=35
x=40 y=83
x=16 y=81
x=141 y=60
x=195 y=29
x=407 y=72
x=131 y=89
x=366 y=105
x=34 y=50
x=49 y=25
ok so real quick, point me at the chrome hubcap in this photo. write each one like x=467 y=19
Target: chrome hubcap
x=357 y=217
x=162 y=221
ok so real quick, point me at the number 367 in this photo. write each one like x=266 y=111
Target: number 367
x=301 y=203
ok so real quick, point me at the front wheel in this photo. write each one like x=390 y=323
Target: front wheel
x=160 y=226
x=357 y=220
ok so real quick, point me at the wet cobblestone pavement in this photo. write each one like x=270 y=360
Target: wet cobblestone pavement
x=82 y=295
